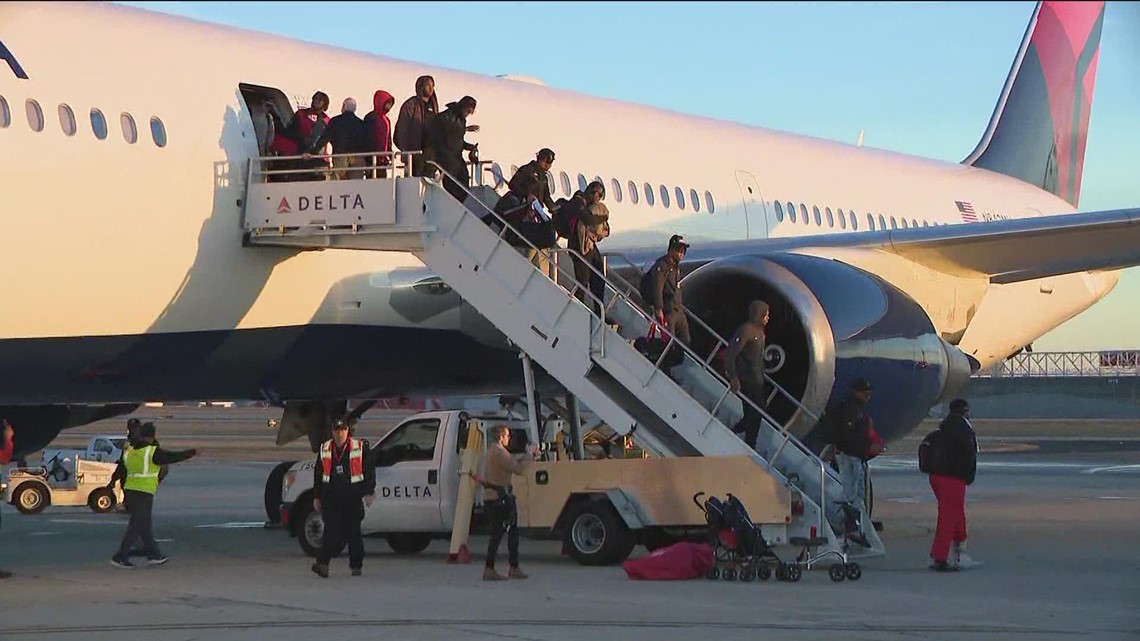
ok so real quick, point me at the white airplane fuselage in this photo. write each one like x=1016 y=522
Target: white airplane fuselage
x=106 y=238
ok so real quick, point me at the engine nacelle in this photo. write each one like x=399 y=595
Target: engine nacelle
x=829 y=324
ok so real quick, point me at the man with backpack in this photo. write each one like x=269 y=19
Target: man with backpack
x=661 y=290
x=949 y=455
x=849 y=429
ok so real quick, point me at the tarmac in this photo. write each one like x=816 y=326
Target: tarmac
x=1052 y=515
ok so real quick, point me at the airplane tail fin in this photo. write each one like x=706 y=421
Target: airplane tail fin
x=1040 y=126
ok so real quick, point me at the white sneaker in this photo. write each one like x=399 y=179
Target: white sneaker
x=961 y=559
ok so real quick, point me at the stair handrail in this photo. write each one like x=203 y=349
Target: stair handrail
x=619 y=294
x=720 y=340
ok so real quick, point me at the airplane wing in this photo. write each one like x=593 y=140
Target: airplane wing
x=1010 y=251
x=1004 y=251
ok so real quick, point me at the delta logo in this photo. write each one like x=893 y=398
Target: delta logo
x=328 y=202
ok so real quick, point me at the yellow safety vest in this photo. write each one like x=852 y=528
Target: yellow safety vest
x=142 y=472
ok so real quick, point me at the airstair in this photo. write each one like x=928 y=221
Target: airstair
x=688 y=414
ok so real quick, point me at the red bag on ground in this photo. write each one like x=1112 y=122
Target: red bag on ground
x=677 y=562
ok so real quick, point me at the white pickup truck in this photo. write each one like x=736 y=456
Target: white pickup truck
x=60 y=463
x=601 y=509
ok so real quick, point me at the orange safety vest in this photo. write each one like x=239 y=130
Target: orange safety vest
x=355 y=460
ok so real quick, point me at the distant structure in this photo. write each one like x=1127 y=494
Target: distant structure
x=1058 y=385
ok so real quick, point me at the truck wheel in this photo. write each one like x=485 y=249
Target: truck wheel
x=273 y=491
x=311 y=529
x=597 y=535
x=409 y=543
x=31 y=498
x=101 y=501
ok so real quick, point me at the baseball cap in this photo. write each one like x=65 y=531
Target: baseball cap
x=678 y=241
x=340 y=425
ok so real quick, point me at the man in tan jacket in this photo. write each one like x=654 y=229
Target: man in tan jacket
x=499 y=501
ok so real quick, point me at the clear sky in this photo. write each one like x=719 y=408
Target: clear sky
x=919 y=77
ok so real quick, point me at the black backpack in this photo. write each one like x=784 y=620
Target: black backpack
x=930 y=452
x=645 y=288
x=562 y=219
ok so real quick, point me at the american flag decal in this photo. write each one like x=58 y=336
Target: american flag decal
x=967 y=211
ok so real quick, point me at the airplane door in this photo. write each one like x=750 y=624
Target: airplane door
x=407 y=479
x=756 y=218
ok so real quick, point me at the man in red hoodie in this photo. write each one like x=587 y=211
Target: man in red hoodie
x=7 y=447
x=378 y=123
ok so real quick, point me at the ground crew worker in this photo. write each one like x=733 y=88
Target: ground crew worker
x=7 y=447
x=138 y=472
x=849 y=429
x=664 y=290
x=745 y=362
x=499 y=502
x=344 y=481
x=953 y=466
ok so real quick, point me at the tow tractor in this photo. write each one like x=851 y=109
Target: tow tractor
x=31 y=489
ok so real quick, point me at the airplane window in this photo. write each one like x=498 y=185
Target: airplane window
x=818 y=218
x=67 y=120
x=35 y=115
x=904 y=223
x=803 y=213
x=870 y=222
x=581 y=182
x=598 y=179
x=664 y=196
x=710 y=204
x=130 y=131
x=693 y=199
x=158 y=131
x=615 y=186
x=634 y=195
x=5 y=113
x=648 y=194
x=842 y=218
x=914 y=223
x=882 y=222
x=893 y=225
x=925 y=224
x=514 y=170
x=550 y=183
x=830 y=217
x=98 y=124
x=497 y=174
x=779 y=212
x=565 y=180
x=679 y=196
x=792 y=212
x=854 y=221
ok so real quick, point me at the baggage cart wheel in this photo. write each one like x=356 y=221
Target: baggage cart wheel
x=748 y=575
x=794 y=573
x=764 y=572
x=837 y=572
x=713 y=574
x=729 y=574
x=782 y=572
x=854 y=571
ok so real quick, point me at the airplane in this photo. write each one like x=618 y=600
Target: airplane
x=129 y=135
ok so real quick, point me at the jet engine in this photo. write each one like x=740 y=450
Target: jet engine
x=830 y=323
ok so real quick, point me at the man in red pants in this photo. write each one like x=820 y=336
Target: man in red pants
x=953 y=462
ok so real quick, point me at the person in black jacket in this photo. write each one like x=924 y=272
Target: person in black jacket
x=348 y=135
x=848 y=428
x=444 y=144
x=539 y=169
x=344 y=483
x=665 y=290
x=953 y=466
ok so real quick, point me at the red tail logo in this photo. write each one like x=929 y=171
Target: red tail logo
x=283 y=207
